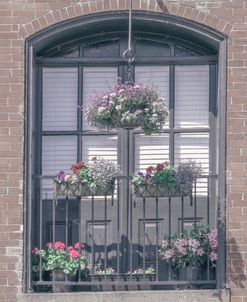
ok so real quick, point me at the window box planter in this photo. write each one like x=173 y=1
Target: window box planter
x=147 y=191
x=78 y=189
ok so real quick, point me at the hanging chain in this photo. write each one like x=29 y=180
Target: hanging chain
x=129 y=54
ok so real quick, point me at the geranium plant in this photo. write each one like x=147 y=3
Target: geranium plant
x=128 y=106
x=190 y=248
x=167 y=179
x=96 y=177
x=59 y=257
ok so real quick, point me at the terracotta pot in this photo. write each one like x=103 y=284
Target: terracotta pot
x=59 y=275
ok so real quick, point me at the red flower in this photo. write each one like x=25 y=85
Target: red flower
x=74 y=254
x=59 y=246
x=76 y=168
x=48 y=245
x=159 y=167
x=94 y=158
x=35 y=250
x=149 y=169
x=79 y=246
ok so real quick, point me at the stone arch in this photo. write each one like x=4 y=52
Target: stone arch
x=93 y=7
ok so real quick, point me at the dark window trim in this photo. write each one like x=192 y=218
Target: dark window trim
x=33 y=44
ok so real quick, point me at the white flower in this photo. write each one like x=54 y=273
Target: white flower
x=113 y=94
x=121 y=91
x=101 y=109
x=118 y=107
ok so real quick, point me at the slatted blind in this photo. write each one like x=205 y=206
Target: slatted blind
x=103 y=146
x=60 y=90
x=150 y=150
x=191 y=96
x=58 y=153
x=96 y=80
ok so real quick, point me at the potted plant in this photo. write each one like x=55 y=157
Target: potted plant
x=128 y=106
x=59 y=261
x=109 y=273
x=164 y=180
x=94 y=178
x=188 y=252
x=139 y=274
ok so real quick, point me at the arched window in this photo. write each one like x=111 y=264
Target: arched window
x=78 y=61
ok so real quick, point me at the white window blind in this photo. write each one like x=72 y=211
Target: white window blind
x=60 y=97
x=150 y=150
x=58 y=153
x=99 y=146
x=191 y=96
x=96 y=80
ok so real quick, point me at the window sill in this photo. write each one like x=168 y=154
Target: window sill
x=132 y=296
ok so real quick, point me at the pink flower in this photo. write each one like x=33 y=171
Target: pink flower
x=168 y=254
x=70 y=248
x=35 y=250
x=48 y=245
x=200 y=252
x=59 y=245
x=213 y=256
x=213 y=239
x=182 y=250
x=79 y=246
x=74 y=254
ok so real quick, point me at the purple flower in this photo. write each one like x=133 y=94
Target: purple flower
x=61 y=175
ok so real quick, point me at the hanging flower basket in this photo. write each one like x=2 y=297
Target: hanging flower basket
x=95 y=178
x=164 y=180
x=128 y=106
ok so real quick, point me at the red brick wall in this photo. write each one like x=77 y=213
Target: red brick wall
x=21 y=18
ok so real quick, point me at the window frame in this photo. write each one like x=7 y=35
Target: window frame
x=32 y=81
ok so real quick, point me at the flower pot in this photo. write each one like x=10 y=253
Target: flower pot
x=157 y=191
x=78 y=189
x=189 y=273
x=59 y=275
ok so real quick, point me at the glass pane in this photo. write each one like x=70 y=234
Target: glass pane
x=105 y=49
x=194 y=146
x=182 y=51
x=150 y=150
x=96 y=80
x=157 y=76
x=147 y=48
x=58 y=153
x=103 y=146
x=69 y=53
x=60 y=94
x=191 y=96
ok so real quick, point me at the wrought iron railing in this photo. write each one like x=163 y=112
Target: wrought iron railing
x=131 y=230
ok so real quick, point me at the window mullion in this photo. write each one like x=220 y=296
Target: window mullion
x=79 y=113
x=171 y=111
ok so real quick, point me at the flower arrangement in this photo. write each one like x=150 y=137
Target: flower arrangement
x=128 y=106
x=148 y=271
x=166 y=180
x=96 y=177
x=190 y=248
x=56 y=256
x=108 y=272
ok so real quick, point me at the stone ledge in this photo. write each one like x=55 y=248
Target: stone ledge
x=133 y=296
